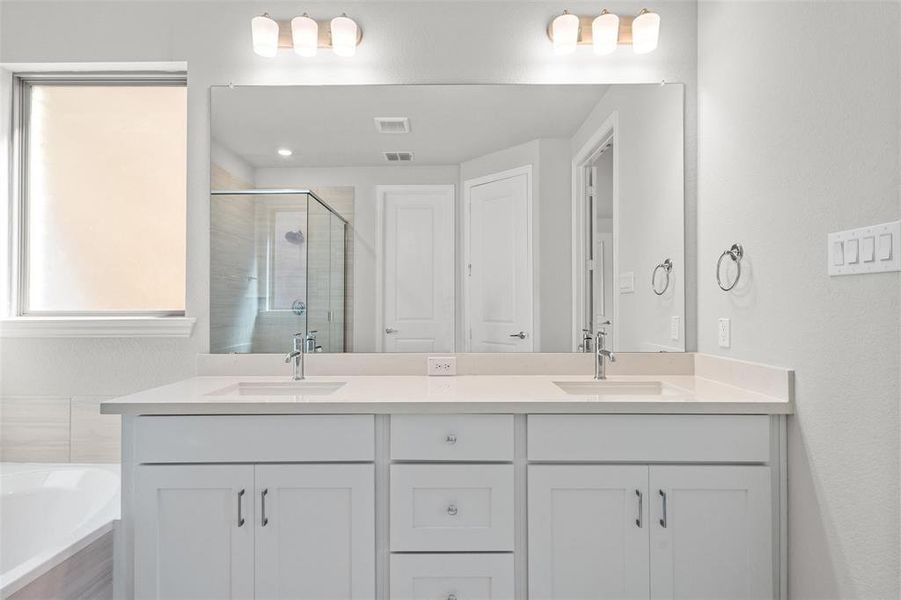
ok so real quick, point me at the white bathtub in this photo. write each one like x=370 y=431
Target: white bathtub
x=48 y=512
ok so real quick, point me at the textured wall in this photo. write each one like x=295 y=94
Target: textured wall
x=799 y=136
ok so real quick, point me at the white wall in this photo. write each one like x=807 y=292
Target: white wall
x=799 y=136
x=648 y=151
x=364 y=181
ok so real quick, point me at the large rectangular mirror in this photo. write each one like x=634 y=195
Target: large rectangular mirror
x=447 y=218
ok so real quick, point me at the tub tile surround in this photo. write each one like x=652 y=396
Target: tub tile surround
x=57 y=429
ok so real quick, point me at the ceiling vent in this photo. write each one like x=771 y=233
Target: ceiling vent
x=392 y=124
x=398 y=156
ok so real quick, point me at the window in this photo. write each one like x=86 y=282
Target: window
x=101 y=223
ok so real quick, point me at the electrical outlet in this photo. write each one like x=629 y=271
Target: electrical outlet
x=724 y=333
x=675 y=328
x=442 y=365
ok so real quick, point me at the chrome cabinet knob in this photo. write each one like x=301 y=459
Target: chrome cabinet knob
x=452 y=510
x=451 y=438
x=390 y=330
x=452 y=597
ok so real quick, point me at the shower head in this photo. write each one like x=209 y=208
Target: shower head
x=294 y=237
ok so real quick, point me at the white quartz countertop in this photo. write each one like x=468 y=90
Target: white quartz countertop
x=384 y=394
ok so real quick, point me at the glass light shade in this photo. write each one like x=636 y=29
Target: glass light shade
x=605 y=33
x=645 y=31
x=344 y=36
x=265 y=35
x=565 y=33
x=305 y=35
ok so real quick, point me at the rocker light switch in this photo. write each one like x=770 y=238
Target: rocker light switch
x=872 y=249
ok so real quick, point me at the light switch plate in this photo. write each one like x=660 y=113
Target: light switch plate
x=873 y=249
x=724 y=333
x=442 y=365
x=626 y=283
x=675 y=328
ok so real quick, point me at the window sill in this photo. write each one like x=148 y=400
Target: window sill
x=97 y=327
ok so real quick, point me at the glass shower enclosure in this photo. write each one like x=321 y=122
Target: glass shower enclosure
x=278 y=266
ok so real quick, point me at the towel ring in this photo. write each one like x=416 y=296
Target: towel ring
x=667 y=266
x=736 y=252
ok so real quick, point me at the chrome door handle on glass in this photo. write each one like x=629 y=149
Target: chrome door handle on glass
x=521 y=335
x=663 y=518
x=264 y=520
x=452 y=510
x=240 y=508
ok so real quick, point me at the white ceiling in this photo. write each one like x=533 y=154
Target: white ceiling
x=328 y=126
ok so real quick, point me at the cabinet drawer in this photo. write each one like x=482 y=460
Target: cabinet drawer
x=254 y=438
x=451 y=508
x=649 y=438
x=452 y=437
x=447 y=576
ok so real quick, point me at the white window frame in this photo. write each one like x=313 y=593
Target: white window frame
x=18 y=321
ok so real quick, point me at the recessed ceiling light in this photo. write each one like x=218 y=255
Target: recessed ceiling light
x=284 y=152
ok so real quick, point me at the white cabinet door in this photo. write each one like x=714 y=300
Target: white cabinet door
x=588 y=532
x=194 y=532
x=714 y=538
x=315 y=531
x=449 y=576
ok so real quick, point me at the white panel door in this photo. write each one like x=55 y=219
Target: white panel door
x=315 y=532
x=714 y=538
x=588 y=532
x=194 y=532
x=417 y=264
x=461 y=576
x=499 y=263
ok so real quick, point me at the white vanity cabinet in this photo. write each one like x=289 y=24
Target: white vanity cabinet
x=278 y=530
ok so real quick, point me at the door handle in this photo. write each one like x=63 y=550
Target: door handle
x=240 y=509
x=638 y=520
x=663 y=500
x=521 y=335
x=264 y=519
x=389 y=330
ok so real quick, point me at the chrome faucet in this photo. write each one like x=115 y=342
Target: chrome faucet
x=601 y=355
x=297 y=356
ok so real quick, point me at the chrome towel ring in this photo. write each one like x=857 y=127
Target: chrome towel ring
x=736 y=252
x=667 y=266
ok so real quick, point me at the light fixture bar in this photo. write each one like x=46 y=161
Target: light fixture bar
x=586 y=35
x=285 y=40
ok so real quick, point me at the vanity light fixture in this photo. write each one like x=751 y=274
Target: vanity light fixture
x=305 y=35
x=645 y=32
x=286 y=152
x=565 y=33
x=264 y=30
x=341 y=34
x=344 y=36
x=605 y=32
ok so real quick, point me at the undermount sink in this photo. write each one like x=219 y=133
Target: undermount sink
x=280 y=388
x=611 y=388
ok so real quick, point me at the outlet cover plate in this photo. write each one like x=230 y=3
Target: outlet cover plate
x=442 y=365
x=724 y=333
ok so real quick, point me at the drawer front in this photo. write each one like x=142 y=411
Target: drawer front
x=649 y=438
x=451 y=576
x=452 y=437
x=451 y=508
x=255 y=438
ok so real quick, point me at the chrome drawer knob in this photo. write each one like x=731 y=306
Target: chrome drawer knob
x=452 y=510
x=452 y=597
x=451 y=438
